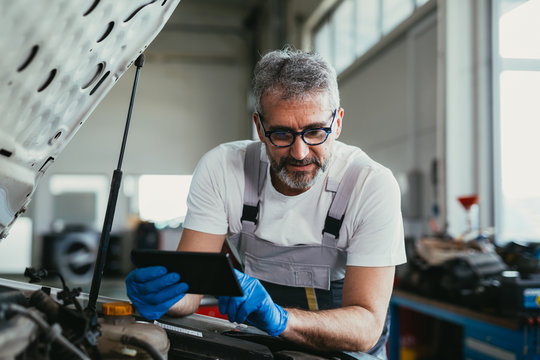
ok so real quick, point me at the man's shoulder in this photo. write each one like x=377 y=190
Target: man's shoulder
x=234 y=146
x=229 y=150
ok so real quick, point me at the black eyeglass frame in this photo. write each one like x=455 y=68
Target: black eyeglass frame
x=268 y=134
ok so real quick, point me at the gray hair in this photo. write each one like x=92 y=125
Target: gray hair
x=294 y=74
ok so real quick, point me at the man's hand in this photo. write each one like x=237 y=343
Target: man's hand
x=256 y=306
x=153 y=291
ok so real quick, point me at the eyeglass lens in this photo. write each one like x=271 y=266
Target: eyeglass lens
x=310 y=137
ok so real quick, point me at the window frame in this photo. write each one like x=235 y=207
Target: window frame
x=500 y=65
x=324 y=15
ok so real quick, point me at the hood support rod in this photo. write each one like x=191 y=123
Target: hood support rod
x=111 y=205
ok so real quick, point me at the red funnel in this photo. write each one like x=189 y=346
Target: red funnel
x=468 y=201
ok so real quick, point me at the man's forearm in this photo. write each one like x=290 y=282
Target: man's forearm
x=351 y=328
x=186 y=306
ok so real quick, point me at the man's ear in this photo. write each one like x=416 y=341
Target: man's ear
x=258 y=126
x=339 y=121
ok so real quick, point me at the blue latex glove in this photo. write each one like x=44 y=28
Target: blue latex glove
x=153 y=291
x=256 y=307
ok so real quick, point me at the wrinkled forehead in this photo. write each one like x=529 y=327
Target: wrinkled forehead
x=278 y=97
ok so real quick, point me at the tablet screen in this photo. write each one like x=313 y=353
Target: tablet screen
x=205 y=273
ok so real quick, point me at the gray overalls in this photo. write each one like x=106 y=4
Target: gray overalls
x=297 y=276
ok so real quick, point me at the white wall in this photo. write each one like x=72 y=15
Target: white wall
x=390 y=111
x=465 y=65
x=181 y=111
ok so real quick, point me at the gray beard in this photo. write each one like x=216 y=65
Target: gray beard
x=298 y=182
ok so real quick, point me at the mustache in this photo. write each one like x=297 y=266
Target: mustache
x=292 y=161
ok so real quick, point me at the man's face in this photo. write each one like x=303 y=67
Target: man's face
x=294 y=169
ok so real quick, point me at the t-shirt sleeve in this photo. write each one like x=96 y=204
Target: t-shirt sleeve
x=377 y=237
x=206 y=199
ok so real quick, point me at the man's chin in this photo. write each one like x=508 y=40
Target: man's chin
x=300 y=180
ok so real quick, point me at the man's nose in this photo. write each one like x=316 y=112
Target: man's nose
x=299 y=149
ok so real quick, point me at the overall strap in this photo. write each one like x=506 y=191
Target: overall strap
x=334 y=219
x=254 y=177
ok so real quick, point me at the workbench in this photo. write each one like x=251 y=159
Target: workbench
x=483 y=336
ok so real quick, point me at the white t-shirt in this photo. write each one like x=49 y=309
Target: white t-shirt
x=372 y=230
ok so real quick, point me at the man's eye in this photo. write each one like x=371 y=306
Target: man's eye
x=315 y=134
x=281 y=135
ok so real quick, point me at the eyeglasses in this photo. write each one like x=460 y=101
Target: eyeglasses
x=285 y=138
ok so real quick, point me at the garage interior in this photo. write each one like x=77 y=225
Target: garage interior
x=442 y=92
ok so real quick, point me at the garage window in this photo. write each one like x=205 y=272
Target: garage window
x=516 y=80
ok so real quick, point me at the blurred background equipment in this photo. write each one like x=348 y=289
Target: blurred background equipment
x=72 y=252
x=470 y=204
x=147 y=236
x=520 y=287
x=465 y=273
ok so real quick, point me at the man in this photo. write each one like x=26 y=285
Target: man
x=317 y=223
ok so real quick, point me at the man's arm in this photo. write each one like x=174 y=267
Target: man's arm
x=192 y=240
x=358 y=324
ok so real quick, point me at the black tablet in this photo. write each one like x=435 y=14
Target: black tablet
x=205 y=273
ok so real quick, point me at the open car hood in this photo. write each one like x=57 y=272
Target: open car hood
x=59 y=60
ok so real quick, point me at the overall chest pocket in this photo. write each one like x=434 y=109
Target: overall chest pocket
x=286 y=273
